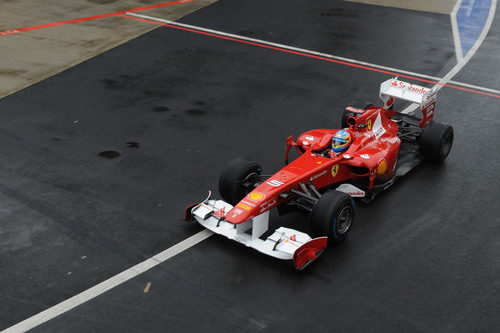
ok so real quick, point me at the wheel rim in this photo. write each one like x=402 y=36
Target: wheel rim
x=446 y=145
x=344 y=220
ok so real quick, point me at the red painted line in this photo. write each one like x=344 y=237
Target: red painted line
x=311 y=56
x=90 y=18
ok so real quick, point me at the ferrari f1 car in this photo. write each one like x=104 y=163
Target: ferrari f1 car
x=385 y=145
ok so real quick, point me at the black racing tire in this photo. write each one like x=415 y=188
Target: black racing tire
x=436 y=141
x=345 y=114
x=333 y=216
x=231 y=180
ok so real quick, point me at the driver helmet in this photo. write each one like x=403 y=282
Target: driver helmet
x=341 y=141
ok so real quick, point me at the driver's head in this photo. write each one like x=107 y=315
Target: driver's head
x=341 y=141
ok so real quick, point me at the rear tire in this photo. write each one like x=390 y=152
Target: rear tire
x=436 y=141
x=232 y=179
x=333 y=216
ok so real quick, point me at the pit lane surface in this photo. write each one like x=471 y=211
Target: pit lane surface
x=421 y=257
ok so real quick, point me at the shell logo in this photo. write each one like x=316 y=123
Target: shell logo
x=335 y=170
x=256 y=196
x=382 y=168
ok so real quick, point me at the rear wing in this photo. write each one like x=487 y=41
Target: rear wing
x=425 y=97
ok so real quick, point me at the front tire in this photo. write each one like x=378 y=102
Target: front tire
x=333 y=216
x=436 y=141
x=234 y=179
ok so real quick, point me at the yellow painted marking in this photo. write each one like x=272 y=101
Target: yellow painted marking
x=335 y=170
x=369 y=125
x=256 y=196
x=245 y=207
x=148 y=285
x=382 y=167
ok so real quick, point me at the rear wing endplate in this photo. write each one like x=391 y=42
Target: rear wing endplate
x=425 y=97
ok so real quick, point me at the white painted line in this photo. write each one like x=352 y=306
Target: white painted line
x=456 y=33
x=471 y=86
x=315 y=53
x=283 y=46
x=469 y=55
x=110 y=283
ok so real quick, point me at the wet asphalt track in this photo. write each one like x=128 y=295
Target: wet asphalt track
x=422 y=257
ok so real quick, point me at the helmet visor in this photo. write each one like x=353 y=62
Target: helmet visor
x=338 y=142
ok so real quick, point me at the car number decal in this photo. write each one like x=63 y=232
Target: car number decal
x=275 y=183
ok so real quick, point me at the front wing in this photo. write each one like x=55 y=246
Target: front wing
x=284 y=243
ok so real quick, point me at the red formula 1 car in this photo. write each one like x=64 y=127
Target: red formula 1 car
x=385 y=145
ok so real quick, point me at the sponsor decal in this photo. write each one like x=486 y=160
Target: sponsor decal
x=317 y=176
x=365 y=156
x=237 y=212
x=310 y=138
x=305 y=143
x=382 y=168
x=420 y=90
x=220 y=213
x=379 y=132
x=352 y=190
x=369 y=125
x=275 y=183
x=245 y=207
x=319 y=162
x=267 y=205
x=410 y=87
x=248 y=203
x=256 y=196
x=293 y=238
x=378 y=129
x=335 y=170
x=291 y=242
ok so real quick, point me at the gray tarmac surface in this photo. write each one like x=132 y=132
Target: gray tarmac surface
x=422 y=257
